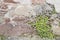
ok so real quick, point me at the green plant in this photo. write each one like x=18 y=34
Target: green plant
x=2 y=37
x=43 y=29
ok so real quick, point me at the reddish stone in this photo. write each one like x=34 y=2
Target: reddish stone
x=4 y=6
x=7 y=20
x=3 y=9
x=9 y=30
x=38 y=1
x=19 y=18
x=4 y=29
x=9 y=1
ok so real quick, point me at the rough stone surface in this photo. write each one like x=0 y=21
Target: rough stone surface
x=34 y=37
x=14 y=15
x=55 y=23
x=56 y=4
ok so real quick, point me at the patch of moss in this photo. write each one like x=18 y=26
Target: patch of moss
x=42 y=28
x=2 y=37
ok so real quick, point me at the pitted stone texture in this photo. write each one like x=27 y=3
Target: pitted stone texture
x=10 y=30
x=21 y=11
x=34 y=37
x=45 y=9
x=4 y=8
x=24 y=38
x=55 y=19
